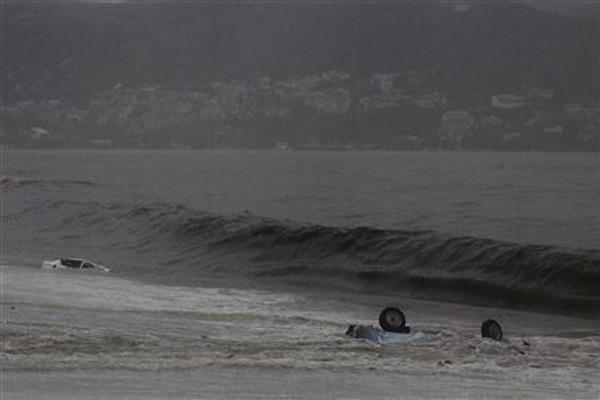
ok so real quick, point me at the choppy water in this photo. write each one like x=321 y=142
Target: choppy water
x=495 y=228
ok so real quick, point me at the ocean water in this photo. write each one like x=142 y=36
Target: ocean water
x=505 y=229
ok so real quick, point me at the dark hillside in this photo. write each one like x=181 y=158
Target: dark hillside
x=74 y=50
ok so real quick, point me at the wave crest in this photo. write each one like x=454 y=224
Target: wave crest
x=425 y=263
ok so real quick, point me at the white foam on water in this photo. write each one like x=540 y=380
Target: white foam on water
x=60 y=318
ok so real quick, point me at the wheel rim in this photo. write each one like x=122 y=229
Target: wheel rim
x=393 y=318
x=494 y=331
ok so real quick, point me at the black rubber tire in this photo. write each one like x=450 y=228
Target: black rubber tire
x=405 y=329
x=391 y=319
x=491 y=329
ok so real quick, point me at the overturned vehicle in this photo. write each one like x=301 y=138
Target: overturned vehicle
x=73 y=263
x=393 y=329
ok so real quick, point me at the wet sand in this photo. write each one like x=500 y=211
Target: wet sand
x=73 y=335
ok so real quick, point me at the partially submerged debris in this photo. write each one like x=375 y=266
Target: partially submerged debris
x=73 y=263
x=393 y=329
x=491 y=329
x=376 y=335
x=391 y=319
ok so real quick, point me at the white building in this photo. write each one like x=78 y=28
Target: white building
x=534 y=94
x=385 y=81
x=508 y=101
x=38 y=133
x=455 y=126
x=282 y=146
x=554 y=130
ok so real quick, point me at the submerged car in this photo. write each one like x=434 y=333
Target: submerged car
x=394 y=330
x=73 y=263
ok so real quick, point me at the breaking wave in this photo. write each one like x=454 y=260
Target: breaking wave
x=423 y=263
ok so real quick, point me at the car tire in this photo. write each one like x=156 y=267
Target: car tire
x=491 y=329
x=391 y=319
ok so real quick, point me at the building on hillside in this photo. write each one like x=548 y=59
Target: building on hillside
x=454 y=127
x=432 y=100
x=535 y=95
x=283 y=146
x=508 y=101
x=385 y=81
x=37 y=133
x=554 y=130
x=574 y=108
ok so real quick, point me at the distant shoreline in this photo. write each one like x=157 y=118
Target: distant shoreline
x=270 y=150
